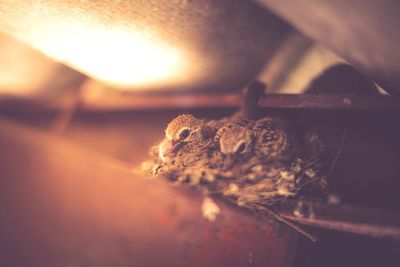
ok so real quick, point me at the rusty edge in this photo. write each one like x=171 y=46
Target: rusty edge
x=347 y=218
x=191 y=101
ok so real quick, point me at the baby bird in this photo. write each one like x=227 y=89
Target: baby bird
x=272 y=163
x=188 y=152
x=267 y=139
x=185 y=134
x=236 y=142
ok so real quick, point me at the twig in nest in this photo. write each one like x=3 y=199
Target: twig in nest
x=339 y=151
x=278 y=217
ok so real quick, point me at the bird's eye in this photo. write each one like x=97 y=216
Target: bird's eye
x=184 y=134
x=241 y=148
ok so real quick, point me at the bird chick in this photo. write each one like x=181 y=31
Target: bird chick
x=267 y=139
x=188 y=153
x=185 y=132
x=267 y=152
x=236 y=141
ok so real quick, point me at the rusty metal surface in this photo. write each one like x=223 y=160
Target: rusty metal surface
x=332 y=102
x=62 y=205
x=193 y=101
x=364 y=33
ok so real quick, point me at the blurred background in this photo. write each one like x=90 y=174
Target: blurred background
x=62 y=57
x=101 y=79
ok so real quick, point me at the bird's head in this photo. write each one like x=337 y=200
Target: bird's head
x=183 y=128
x=181 y=131
x=235 y=142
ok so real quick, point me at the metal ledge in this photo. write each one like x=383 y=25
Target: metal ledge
x=63 y=205
x=193 y=101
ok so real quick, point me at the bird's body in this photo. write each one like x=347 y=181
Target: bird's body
x=261 y=185
x=250 y=162
x=276 y=139
x=269 y=161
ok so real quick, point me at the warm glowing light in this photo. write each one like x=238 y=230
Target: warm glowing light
x=23 y=70
x=114 y=55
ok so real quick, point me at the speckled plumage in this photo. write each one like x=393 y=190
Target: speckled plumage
x=268 y=161
x=276 y=139
x=194 y=159
x=254 y=163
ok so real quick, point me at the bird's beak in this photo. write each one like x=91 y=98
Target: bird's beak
x=167 y=147
x=229 y=161
x=176 y=145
